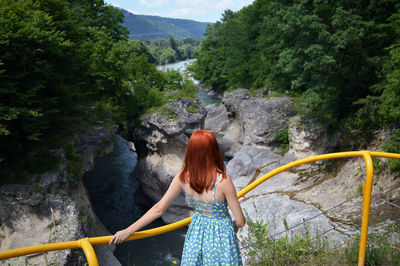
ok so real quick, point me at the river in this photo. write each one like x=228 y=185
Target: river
x=118 y=200
x=204 y=96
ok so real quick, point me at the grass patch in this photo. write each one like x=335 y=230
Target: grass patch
x=394 y=166
x=378 y=166
x=304 y=249
x=167 y=112
x=193 y=108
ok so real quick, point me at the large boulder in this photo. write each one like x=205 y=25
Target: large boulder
x=168 y=129
x=155 y=173
x=280 y=213
x=233 y=99
x=231 y=140
x=249 y=159
x=260 y=118
x=217 y=119
x=161 y=142
x=263 y=118
x=308 y=137
x=228 y=134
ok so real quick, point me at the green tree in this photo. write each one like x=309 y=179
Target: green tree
x=389 y=107
x=38 y=74
x=58 y=58
x=171 y=50
x=327 y=51
x=168 y=56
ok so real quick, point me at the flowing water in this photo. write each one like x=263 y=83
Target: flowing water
x=118 y=201
x=179 y=66
x=204 y=96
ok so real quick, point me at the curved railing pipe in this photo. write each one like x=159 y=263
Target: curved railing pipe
x=89 y=251
x=86 y=243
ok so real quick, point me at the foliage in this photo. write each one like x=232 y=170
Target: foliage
x=166 y=51
x=188 y=90
x=378 y=166
x=394 y=165
x=378 y=252
x=393 y=144
x=167 y=112
x=303 y=249
x=389 y=108
x=182 y=85
x=282 y=137
x=59 y=61
x=333 y=53
x=294 y=250
x=193 y=108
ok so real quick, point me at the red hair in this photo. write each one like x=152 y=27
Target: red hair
x=203 y=160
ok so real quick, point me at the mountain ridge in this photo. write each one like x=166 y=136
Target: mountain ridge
x=146 y=27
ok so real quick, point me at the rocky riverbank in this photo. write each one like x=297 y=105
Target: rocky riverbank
x=55 y=207
x=246 y=127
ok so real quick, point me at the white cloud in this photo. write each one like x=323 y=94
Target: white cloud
x=191 y=2
x=203 y=10
x=209 y=4
x=156 y=14
x=154 y=3
x=225 y=4
x=185 y=12
x=135 y=12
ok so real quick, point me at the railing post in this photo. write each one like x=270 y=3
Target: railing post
x=89 y=252
x=367 y=191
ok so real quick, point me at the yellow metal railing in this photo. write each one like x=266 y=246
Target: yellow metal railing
x=87 y=243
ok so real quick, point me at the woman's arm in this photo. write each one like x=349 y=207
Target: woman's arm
x=230 y=194
x=155 y=212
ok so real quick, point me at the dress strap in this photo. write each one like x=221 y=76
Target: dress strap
x=184 y=188
x=215 y=187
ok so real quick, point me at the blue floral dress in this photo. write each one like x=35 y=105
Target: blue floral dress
x=211 y=239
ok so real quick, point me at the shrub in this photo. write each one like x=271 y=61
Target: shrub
x=393 y=144
x=282 y=137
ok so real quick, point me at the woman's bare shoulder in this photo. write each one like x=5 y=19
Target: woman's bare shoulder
x=225 y=181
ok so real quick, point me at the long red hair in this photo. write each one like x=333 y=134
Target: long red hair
x=203 y=160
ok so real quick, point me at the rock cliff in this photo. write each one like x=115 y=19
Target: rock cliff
x=160 y=141
x=55 y=207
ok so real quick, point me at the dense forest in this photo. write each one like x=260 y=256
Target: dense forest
x=166 y=51
x=341 y=58
x=64 y=66
x=68 y=64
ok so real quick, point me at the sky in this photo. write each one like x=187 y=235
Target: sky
x=198 y=10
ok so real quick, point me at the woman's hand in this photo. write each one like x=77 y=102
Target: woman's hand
x=120 y=237
x=155 y=212
x=235 y=227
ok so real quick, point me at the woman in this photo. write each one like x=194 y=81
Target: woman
x=211 y=237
